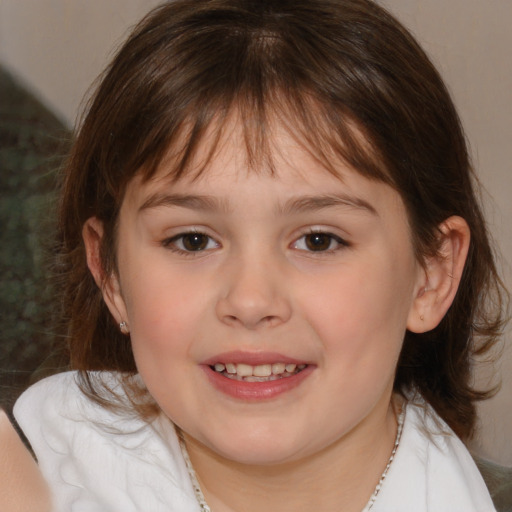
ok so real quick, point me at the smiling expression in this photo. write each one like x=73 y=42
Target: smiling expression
x=266 y=311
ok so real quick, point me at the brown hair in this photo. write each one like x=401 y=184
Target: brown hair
x=326 y=68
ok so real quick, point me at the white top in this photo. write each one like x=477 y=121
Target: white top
x=97 y=460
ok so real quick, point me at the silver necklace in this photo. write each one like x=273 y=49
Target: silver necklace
x=203 y=506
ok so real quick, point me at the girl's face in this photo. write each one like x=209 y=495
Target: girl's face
x=267 y=312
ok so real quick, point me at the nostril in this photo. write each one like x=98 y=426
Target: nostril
x=270 y=320
x=252 y=311
x=231 y=318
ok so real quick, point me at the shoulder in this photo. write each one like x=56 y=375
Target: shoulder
x=44 y=407
x=432 y=471
x=47 y=392
x=97 y=459
x=57 y=403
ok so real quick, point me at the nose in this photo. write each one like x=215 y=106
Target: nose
x=253 y=295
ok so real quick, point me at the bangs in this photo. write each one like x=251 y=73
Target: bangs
x=332 y=137
x=205 y=64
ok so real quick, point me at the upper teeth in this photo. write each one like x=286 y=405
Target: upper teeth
x=261 y=370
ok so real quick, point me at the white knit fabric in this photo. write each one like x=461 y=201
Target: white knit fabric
x=99 y=461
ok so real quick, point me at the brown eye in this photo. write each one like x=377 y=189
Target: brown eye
x=186 y=243
x=318 y=241
x=194 y=241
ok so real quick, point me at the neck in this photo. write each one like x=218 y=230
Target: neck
x=342 y=476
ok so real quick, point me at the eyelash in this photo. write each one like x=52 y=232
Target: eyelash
x=174 y=243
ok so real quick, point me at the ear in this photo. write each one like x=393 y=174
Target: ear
x=92 y=234
x=440 y=279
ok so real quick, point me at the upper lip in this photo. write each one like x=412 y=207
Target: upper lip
x=252 y=358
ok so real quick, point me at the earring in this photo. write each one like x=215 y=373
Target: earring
x=123 y=327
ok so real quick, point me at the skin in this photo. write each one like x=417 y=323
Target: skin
x=22 y=487
x=258 y=285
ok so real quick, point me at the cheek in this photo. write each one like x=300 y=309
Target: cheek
x=362 y=309
x=163 y=309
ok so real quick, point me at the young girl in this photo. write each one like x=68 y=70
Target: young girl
x=276 y=273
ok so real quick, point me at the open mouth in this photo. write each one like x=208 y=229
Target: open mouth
x=259 y=373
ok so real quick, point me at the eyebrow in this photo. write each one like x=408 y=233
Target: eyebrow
x=313 y=203
x=193 y=202
x=301 y=204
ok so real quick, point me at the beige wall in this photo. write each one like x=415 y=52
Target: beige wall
x=58 y=47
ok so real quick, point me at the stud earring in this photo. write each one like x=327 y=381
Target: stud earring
x=123 y=327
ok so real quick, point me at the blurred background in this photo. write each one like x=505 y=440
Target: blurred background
x=52 y=50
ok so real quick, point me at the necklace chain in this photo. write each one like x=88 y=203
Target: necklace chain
x=203 y=506
x=400 y=420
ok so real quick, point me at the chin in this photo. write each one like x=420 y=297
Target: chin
x=258 y=448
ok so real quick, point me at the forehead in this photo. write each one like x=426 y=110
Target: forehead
x=220 y=173
x=232 y=147
x=261 y=142
x=259 y=137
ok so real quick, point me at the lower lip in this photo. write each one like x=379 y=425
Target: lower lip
x=256 y=391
